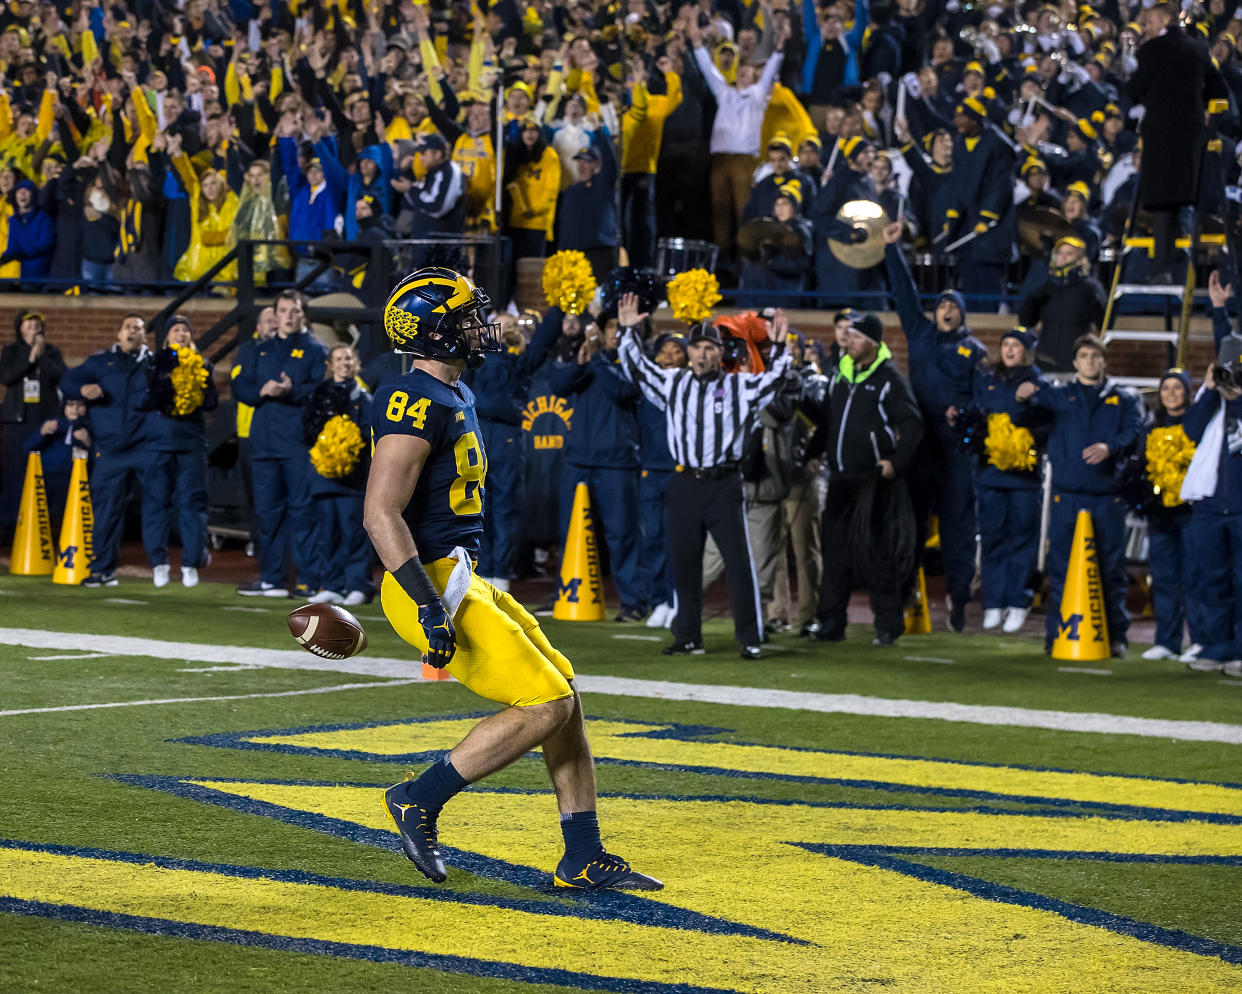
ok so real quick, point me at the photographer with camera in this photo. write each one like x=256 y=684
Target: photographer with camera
x=1213 y=486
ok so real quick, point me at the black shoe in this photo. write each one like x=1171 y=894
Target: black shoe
x=302 y=592
x=957 y=616
x=752 y=652
x=826 y=634
x=603 y=871
x=683 y=649
x=1118 y=650
x=100 y=580
x=631 y=614
x=261 y=589
x=883 y=639
x=417 y=828
x=810 y=630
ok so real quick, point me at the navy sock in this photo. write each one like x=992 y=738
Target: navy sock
x=581 y=832
x=438 y=784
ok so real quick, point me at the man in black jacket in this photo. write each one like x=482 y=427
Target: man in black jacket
x=1068 y=305
x=868 y=433
x=1174 y=79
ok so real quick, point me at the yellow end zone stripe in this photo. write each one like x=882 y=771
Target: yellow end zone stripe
x=920 y=935
x=624 y=741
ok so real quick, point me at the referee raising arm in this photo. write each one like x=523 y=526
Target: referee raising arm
x=708 y=415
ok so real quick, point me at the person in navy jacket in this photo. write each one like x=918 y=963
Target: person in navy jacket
x=944 y=363
x=1095 y=424
x=588 y=212
x=657 y=467
x=602 y=451
x=55 y=441
x=114 y=384
x=176 y=473
x=1172 y=554
x=500 y=388
x=344 y=549
x=1009 y=502
x=1216 y=520
x=277 y=383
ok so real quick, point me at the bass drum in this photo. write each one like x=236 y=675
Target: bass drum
x=679 y=255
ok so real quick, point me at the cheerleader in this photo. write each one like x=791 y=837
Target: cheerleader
x=1171 y=558
x=180 y=389
x=1008 y=483
x=335 y=427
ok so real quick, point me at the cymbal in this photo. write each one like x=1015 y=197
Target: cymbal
x=779 y=236
x=870 y=217
x=1035 y=224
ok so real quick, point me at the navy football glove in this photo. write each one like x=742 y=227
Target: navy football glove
x=441 y=636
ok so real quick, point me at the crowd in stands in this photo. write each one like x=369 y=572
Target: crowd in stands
x=140 y=141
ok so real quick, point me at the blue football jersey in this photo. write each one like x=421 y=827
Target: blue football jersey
x=446 y=509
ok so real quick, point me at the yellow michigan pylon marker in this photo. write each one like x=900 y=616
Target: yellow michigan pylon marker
x=32 y=542
x=73 y=555
x=1082 y=628
x=918 y=617
x=581 y=594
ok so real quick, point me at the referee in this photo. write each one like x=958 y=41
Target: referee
x=708 y=415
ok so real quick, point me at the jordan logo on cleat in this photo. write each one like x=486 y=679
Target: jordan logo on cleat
x=583 y=876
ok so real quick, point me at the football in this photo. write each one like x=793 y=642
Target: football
x=328 y=631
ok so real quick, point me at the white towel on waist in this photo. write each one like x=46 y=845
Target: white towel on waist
x=458 y=582
x=1200 y=481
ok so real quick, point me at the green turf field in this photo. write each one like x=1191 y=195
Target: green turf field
x=210 y=838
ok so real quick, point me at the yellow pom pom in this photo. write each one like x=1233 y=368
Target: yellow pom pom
x=568 y=282
x=1009 y=447
x=337 y=449
x=693 y=294
x=189 y=380
x=1168 y=452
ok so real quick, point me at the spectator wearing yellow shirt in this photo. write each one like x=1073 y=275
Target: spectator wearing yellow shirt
x=213 y=208
x=535 y=183
x=642 y=130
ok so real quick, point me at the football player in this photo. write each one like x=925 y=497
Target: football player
x=424 y=513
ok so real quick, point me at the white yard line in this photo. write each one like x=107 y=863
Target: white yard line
x=72 y=655
x=882 y=707
x=124 y=600
x=247 y=610
x=928 y=659
x=640 y=638
x=1084 y=669
x=195 y=700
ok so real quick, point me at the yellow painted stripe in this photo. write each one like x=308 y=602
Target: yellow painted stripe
x=864 y=922
x=614 y=740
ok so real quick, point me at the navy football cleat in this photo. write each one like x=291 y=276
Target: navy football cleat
x=417 y=827
x=603 y=871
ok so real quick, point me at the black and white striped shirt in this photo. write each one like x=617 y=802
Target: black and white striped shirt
x=707 y=418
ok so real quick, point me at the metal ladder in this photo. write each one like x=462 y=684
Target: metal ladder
x=1187 y=293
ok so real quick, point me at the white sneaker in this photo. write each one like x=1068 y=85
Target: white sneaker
x=189 y=576
x=354 y=598
x=656 y=618
x=1015 y=618
x=992 y=617
x=1200 y=665
x=1190 y=654
x=326 y=597
x=1159 y=652
x=159 y=575
x=1233 y=668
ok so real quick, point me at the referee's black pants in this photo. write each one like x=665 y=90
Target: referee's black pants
x=698 y=505
x=840 y=579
